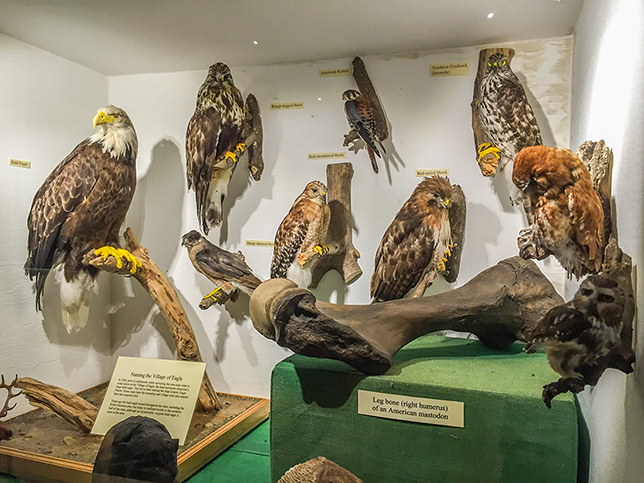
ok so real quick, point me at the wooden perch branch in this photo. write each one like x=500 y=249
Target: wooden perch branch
x=500 y=305
x=489 y=164
x=157 y=285
x=342 y=256
x=253 y=139
x=598 y=159
x=457 y=216
x=366 y=88
x=67 y=405
x=227 y=292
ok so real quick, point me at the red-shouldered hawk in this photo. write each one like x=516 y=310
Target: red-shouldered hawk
x=416 y=242
x=301 y=234
x=506 y=117
x=565 y=211
x=214 y=131
x=361 y=119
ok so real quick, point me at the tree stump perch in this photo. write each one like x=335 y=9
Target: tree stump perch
x=598 y=159
x=157 y=285
x=342 y=256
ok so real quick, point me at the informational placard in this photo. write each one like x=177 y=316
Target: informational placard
x=336 y=155
x=334 y=72
x=164 y=390
x=428 y=173
x=260 y=243
x=449 y=69
x=19 y=163
x=408 y=408
x=281 y=106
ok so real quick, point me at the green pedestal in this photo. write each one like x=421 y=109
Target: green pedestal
x=509 y=434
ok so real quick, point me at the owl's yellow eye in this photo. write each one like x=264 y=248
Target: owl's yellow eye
x=503 y=63
x=489 y=64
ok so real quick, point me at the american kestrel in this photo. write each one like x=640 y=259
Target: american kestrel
x=80 y=207
x=506 y=117
x=361 y=119
x=566 y=213
x=218 y=264
x=301 y=234
x=214 y=132
x=416 y=242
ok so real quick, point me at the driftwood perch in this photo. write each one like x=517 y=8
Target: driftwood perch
x=618 y=266
x=367 y=89
x=457 y=217
x=598 y=159
x=227 y=292
x=489 y=163
x=342 y=256
x=253 y=139
x=500 y=305
x=157 y=285
x=67 y=405
x=6 y=433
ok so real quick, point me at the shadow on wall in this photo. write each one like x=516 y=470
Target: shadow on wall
x=155 y=218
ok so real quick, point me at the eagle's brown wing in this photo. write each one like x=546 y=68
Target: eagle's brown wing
x=63 y=190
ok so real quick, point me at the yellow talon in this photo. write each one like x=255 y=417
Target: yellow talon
x=231 y=155
x=119 y=254
x=213 y=294
x=321 y=249
x=448 y=252
x=486 y=148
x=241 y=147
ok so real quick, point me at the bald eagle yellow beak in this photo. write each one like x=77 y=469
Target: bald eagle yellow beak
x=102 y=118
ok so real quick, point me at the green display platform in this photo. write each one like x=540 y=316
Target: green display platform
x=509 y=435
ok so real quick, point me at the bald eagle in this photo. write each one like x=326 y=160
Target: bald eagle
x=80 y=207
x=214 y=131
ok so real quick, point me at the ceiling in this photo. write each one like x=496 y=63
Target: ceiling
x=119 y=37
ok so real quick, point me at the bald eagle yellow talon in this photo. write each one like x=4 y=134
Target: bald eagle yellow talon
x=486 y=148
x=119 y=254
x=232 y=156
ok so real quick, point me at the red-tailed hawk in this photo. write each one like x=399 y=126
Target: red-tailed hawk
x=214 y=132
x=416 y=242
x=566 y=213
x=301 y=234
x=506 y=117
x=80 y=207
x=218 y=264
x=361 y=119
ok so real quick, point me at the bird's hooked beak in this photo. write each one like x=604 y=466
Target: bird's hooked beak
x=184 y=240
x=102 y=118
x=324 y=196
x=446 y=204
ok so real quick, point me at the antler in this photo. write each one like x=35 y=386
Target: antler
x=10 y=395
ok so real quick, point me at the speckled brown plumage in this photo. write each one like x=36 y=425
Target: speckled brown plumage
x=414 y=242
x=361 y=119
x=568 y=220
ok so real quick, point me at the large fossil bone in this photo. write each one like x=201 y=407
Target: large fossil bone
x=500 y=305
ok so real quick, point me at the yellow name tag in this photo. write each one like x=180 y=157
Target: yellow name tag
x=449 y=69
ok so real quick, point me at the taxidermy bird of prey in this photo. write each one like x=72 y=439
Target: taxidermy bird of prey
x=136 y=449
x=80 y=207
x=301 y=234
x=218 y=264
x=416 y=243
x=214 y=132
x=566 y=213
x=506 y=117
x=575 y=335
x=361 y=119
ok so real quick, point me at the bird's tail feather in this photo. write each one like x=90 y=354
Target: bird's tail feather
x=74 y=299
x=372 y=157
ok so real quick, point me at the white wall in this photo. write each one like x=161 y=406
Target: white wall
x=431 y=128
x=608 y=103
x=47 y=105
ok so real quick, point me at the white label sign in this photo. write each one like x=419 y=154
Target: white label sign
x=337 y=155
x=409 y=408
x=427 y=173
x=164 y=390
